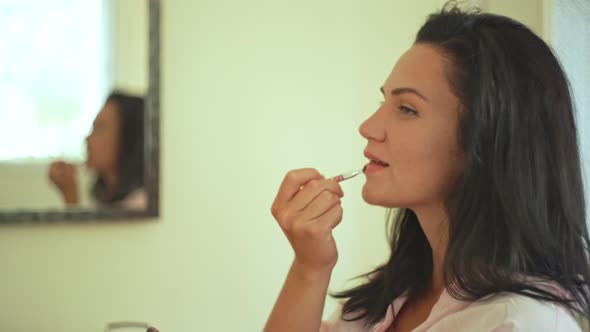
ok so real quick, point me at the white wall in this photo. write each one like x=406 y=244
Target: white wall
x=571 y=40
x=569 y=23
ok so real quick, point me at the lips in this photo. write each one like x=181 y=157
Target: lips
x=380 y=163
x=376 y=160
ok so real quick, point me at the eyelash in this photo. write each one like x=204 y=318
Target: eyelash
x=407 y=110
x=404 y=109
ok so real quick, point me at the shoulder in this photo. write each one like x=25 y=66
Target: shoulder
x=336 y=323
x=135 y=200
x=508 y=312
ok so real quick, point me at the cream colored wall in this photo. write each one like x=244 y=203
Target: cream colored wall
x=129 y=42
x=529 y=12
x=26 y=186
x=249 y=91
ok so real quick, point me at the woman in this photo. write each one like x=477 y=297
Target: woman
x=476 y=143
x=114 y=154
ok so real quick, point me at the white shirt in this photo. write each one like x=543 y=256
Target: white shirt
x=135 y=200
x=506 y=312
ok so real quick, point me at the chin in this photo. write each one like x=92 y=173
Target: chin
x=377 y=198
x=373 y=197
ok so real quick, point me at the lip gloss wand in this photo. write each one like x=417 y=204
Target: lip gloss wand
x=346 y=176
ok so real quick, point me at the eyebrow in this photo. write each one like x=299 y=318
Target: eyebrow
x=399 y=91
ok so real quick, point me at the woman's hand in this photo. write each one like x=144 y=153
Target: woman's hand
x=63 y=176
x=307 y=207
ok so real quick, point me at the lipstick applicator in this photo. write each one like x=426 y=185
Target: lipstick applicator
x=348 y=175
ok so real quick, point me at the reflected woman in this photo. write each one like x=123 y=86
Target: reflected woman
x=114 y=154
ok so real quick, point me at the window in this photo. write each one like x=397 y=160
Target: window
x=53 y=61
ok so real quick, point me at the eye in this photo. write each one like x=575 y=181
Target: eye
x=407 y=110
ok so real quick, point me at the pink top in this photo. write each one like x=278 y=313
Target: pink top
x=506 y=312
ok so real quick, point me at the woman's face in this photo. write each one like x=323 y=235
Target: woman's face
x=103 y=142
x=413 y=134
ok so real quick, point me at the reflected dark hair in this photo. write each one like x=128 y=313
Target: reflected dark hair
x=519 y=207
x=131 y=152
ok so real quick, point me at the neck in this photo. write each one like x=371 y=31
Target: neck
x=433 y=220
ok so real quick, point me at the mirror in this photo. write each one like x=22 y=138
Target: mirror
x=79 y=80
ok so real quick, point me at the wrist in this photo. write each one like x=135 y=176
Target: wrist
x=311 y=274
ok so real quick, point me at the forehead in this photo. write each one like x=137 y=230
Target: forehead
x=108 y=112
x=421 y=67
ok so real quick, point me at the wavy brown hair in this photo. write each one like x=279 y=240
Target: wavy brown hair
x=130 y=110
x=519 y=207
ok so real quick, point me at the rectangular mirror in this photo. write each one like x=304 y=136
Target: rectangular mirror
x=79 y=80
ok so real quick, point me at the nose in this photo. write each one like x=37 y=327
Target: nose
x=372 y=128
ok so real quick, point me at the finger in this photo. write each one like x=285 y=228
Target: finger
x=70 y=169
x=331 y=218
x=311 y=190
x=320 y=205
x=58 y=166
x=54 y=170
x=293 y=181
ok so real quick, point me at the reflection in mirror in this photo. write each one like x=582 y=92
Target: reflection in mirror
x=78 y=80
x=114 y=157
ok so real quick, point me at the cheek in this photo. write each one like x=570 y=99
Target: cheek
x=426 y=165
x=110 y=147
x=115 y=147
x=104 y=147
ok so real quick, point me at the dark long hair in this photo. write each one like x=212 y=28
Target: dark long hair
x=131 y=153
x=519 y=207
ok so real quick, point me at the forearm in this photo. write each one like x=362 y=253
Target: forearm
x=300 y=304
